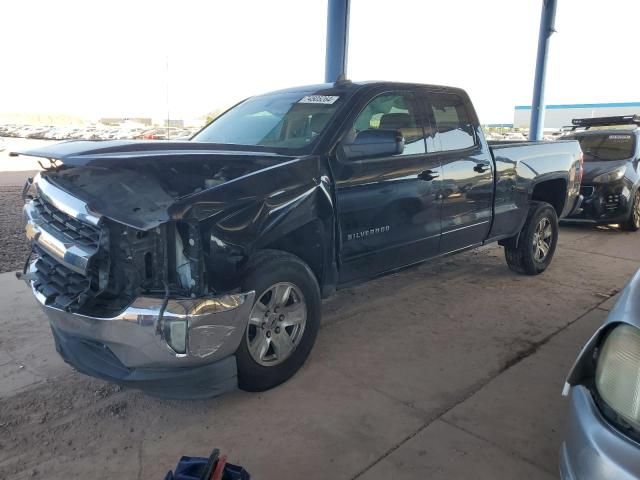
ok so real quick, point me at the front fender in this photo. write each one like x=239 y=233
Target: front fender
x=259 y=211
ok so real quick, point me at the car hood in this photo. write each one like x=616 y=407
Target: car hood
x=593 y=169
x=128 y=153
x=143 y=184
x=627 y=308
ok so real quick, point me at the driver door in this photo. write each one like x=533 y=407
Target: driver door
x=388 y=206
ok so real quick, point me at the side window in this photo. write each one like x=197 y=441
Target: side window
x=392 y=111
x=454 y=129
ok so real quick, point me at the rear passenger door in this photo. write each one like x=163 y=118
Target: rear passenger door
x=467 y=170
x=388 y=207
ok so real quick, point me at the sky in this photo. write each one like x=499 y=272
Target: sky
x=144 y=58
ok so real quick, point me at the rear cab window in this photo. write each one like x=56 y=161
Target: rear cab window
x=453 y=127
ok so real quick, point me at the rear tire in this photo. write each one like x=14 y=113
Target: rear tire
x=536 y=243
x=633 y=223
x=283 y=323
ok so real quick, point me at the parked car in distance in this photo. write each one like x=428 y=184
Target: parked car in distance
x=96 y=131
x=161 y=133
x=602 y=437
x=611 y=181
x=184 y=268
x=514 y=136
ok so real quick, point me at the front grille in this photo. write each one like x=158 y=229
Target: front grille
x=586 y=191
x=78 y=232
x=61 y=287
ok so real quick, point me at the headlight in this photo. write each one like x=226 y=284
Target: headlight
x=612 y=176
x=618 y=373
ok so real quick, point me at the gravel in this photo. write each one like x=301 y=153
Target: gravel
x=15 y=248
x=14 y=171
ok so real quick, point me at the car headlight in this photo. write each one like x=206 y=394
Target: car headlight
x=618 y=373
x=611 y=176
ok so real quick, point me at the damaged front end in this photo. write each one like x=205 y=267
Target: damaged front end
x=127 y=304
x=139 y=250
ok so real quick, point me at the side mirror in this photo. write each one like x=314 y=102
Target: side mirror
x=374 y=143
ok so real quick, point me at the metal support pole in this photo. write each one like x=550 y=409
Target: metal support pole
x=547 y=28
x=337 y=39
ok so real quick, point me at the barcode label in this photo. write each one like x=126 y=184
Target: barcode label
x=324 y=99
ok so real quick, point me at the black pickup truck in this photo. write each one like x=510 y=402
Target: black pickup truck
x=187 y=268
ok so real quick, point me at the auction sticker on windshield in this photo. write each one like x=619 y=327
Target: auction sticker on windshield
x=324 y=99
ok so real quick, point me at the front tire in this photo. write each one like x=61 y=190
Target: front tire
x=536 y=243
x=283 y=323
x=633 y=223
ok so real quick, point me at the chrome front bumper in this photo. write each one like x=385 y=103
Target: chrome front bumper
x=593 y=449
x=214 y=328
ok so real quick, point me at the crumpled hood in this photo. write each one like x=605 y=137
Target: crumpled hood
x=129 y=153
x=593 y=169
x=143 y=184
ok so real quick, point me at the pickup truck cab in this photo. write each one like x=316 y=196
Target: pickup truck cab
x=610 y=186
x=185 y=268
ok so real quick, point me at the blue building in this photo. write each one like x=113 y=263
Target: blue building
x=557 y=116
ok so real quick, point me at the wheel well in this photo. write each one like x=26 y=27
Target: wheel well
x=306 y=243
x=552 y=192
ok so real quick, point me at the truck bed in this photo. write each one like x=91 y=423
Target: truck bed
x=501 y=143
x=522 y=165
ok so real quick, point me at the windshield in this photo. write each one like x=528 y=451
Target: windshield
x=607 y=147
x=289 y=121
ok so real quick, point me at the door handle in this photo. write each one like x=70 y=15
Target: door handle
x=481 y=168
x=428 y=175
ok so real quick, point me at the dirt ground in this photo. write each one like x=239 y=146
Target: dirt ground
x=13 y=246
x=14 y=249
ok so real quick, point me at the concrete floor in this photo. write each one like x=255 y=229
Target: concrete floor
x=450 y=370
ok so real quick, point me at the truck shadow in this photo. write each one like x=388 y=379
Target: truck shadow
x=587 y=228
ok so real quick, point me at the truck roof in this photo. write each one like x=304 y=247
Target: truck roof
x=352 y=87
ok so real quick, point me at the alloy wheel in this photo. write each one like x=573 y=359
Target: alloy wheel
x=542 y=239
x=276 y=324
x=635 y=213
